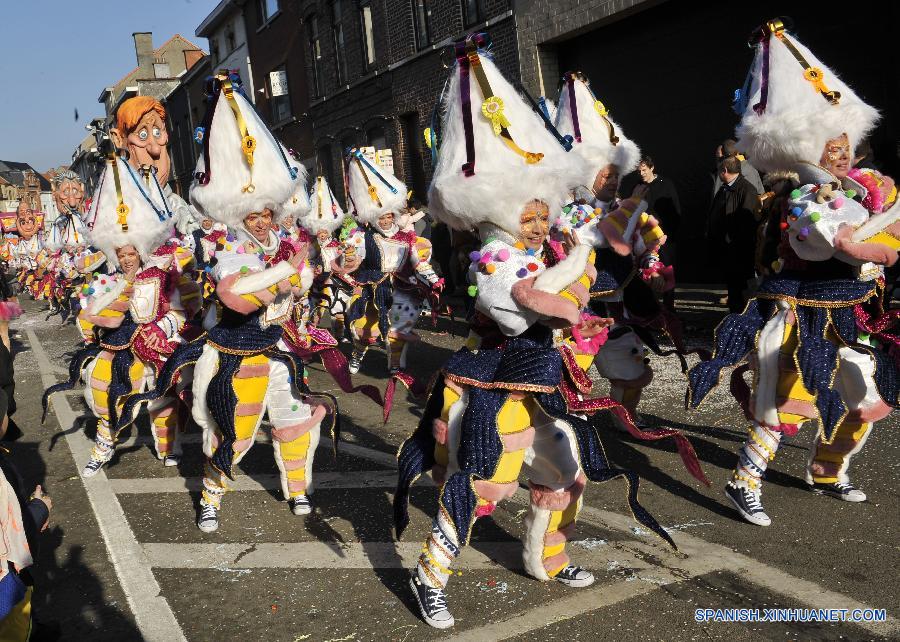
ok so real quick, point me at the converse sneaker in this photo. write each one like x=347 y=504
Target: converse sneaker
x=574 y=576
x=747 y=504
x=432 y=603
x=355 y=362
x=95 y=463
x=300 y=505
x=209 y=518
x=840 y=490
x=171 y=460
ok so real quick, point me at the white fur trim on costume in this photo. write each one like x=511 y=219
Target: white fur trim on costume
x=768 y=349
x=798 y=120
x=256 y=281
x=503 y=182
x=224 y=198
x=537 y=521
x=595 y=147
x=557 y=278
x=146 y=232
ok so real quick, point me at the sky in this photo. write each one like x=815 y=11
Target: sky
x=60 y=54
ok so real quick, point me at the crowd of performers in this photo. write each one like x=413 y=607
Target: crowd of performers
x=210 y=311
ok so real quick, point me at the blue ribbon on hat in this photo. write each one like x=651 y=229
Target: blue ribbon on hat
x=359 y=155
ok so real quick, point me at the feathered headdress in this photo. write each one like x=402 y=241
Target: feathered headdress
x=128 y=208
x=243 y=169
x=793 y=104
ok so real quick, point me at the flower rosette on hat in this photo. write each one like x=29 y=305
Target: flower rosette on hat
x=243 y=168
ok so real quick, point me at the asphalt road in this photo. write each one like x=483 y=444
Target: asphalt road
x=124 y=560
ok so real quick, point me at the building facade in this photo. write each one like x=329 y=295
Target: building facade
x=185 y=106
x=375 y=70
x=21 y=182
x=225 y=31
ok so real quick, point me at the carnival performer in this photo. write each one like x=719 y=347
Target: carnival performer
x=140 y=130
x=242 y=368
x=65 y=238
x=138 y=313
x=627 y=240
x=506 y=401
x=325 y=217
x=383 y=266
x=28 y=244
x=807 y=333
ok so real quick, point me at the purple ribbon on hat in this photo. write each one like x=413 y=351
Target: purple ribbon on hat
x=760 y=107
x=468 y=168
x=573 y=107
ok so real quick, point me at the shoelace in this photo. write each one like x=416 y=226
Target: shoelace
x=436 y=598
x=752 y=501
x=208 y=512
x=844 y=487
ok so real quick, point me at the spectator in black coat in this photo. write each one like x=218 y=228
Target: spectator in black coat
x=731 y=231
x=662 y=203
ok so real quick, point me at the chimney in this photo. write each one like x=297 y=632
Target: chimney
x=143 y=47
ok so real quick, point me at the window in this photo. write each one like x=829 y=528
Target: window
x=214 y=50
x=420 y=23
x=376 y=138
x=473 y=12
x=265 y=9
x=279 y=98
x=368 y=34
x=230 y=44
x=337 y=38
x=315 y=53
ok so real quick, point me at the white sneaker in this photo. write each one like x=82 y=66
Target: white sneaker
x=171 y=460
x=747 y=504
x=95 y=464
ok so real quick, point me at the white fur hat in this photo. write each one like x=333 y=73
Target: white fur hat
x=798 y=115
x=389 y=193
x=502 y=181
x=596 y=138
x=324 y=212
x=297 y=205
x=147 y=222
x=231 y=188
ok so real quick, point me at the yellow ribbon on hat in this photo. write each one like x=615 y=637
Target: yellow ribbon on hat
x=248 y=142
x=601 y=109
x=319 y=188
x=492 y=107
x=812 y=74
x=122 y=210
x=373 y=191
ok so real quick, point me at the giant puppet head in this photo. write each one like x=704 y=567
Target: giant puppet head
x=26 y=221
x=68 y=192
x=141 y=130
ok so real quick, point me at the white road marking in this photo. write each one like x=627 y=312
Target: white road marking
x=153 y=616
x=323 y=481
x=695 y=557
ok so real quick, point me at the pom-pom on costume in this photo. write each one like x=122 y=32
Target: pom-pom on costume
x=139 y=316
x=506 y=402
x=388 y=269
x=807 y=333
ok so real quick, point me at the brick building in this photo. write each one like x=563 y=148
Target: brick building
x=278 y=72
x=185 y=106
x=375 y=69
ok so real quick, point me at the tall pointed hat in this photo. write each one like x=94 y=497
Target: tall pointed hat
x=596 y=137
x=496 y=155
x=324 y=212
x=243 y=169
x=792 y=104
x=373 y=190
x=128 y=208
x=297 y=205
